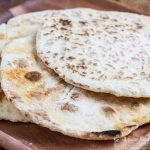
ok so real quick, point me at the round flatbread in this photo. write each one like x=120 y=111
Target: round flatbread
x=52 y=103
x=101 y=51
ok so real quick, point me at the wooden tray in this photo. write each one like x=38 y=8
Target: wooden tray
x=37 y=5
x=27 y=136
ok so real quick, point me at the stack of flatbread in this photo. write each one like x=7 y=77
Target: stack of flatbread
x=81 y=72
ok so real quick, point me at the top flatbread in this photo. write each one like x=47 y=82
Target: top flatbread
x=101 y=51
x=50 y=102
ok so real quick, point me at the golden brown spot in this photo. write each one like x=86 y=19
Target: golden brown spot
x=82 y=22
x=82 y=67
x=74 y=96
x=109 y=111
x=82 y=61
x=139 y=26
x=69 y=107
x=17 y=74
x=34 y=94
x=2 y=36
x=82 y=34
x=68 y=66
x=65 y=22
x=95 y=64
x=71 y=58
x=33 y=76
x=38 y=92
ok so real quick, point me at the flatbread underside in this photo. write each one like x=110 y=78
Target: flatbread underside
x=50 y=102
x=101 y=51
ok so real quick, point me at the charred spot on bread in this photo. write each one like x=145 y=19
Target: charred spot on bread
x=65 y=22
x=33 y=76
x=108 y=133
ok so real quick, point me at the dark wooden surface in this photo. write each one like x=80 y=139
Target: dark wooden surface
x=27 y=136
x=37 y=5
x=34 y=137
x=6 y=4
x=143 y=5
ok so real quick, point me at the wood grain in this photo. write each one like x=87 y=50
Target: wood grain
x=37 y=5
x=33 y=5
x=27 y=136
x=143 y=5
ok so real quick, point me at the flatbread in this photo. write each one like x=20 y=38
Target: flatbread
x=7 y=110
x=26 y=24
x=54 y=104
x=2 y=36
x=101 y=51
x=19 y=26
